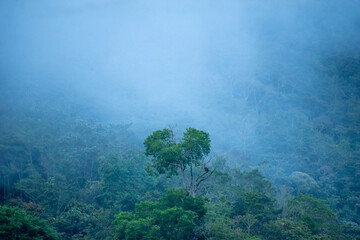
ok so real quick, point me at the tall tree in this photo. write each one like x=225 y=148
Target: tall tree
x=170 y=156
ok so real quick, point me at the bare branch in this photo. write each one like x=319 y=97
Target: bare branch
x=175 y=164
x=201 y=176
x=203 y=179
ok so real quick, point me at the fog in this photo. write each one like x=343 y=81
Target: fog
x=214 y=65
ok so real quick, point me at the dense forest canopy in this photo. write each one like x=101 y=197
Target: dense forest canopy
x=107 y=106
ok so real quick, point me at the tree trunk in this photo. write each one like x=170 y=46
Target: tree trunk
x=183 y=176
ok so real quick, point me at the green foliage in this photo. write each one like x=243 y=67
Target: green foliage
x=79 y=173
x=196 y=145
x=304 y=217
x=83 y=221
x=167 y=155
x=241 y=203
x=303 y=182
x=115 y=175
x=160 y=145
x=179 y=198
x=286 y=229
x=16 y=224
x=176 y=223
x=141 y=229
x=314 y=214
x=170 y=157
x=174 y=216
x=220 y=228
x=254 y=203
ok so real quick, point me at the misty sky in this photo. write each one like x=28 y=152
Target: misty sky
x=155 y=63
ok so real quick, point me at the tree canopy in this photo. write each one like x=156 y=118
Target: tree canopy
x=170 y=156
x=15 y=224
x=174 y=216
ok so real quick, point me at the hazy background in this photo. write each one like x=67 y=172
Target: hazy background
x=231 y=68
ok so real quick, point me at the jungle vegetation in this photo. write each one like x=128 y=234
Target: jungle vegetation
x=157 y=120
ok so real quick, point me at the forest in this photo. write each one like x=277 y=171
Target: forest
x=180 y=120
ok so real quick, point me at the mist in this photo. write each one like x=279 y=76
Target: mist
x=212 y=65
